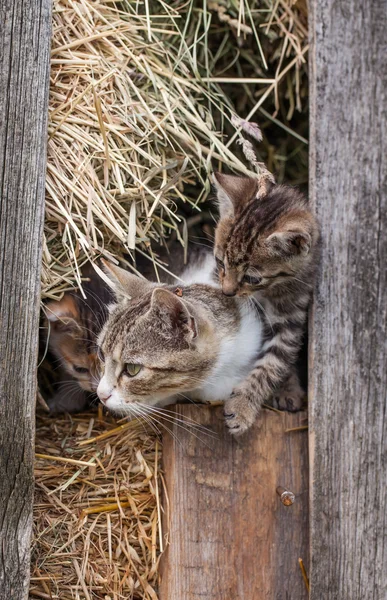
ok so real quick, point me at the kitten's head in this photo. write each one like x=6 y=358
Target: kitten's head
x=73 y=329
x=152 y=345
x=266 y=236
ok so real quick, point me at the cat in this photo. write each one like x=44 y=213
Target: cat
x=73 y=324
x=162 y=343
x=266 y=248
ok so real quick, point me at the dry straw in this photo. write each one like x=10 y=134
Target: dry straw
x=129 y=128
x=97 y=529
x=135 y=114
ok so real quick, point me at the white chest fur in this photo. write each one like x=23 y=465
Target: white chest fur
x=236 y=358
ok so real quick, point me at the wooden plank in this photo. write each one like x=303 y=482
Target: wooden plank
x=25 y=29
x=229 y=534
x=348 y=353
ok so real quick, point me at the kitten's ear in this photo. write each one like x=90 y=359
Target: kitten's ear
x=233 y=192
x=289 y=242
x=125 y=285
x=63 y=315
x=171 y=308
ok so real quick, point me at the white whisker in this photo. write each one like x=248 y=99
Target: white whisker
x=254 y=300
x=178 y=423
x=155 y=420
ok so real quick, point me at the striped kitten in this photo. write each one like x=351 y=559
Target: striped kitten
x=266 y=247
x=73 y=325
x=161 y=342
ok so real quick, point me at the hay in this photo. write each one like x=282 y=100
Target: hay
x=138 y=112
x=97 y=529
x=127 y=132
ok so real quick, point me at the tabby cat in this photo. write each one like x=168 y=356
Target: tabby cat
x=266 y=248
x=74 y=323
x=162 y=343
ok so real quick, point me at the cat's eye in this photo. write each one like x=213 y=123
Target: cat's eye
x=80 y=369
x=132 y=369
x=220 y=263
x=252 y=280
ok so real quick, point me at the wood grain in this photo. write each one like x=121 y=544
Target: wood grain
x=348 y=353
x=230 y=536
x=24 y=74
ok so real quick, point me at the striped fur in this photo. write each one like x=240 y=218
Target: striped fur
x=185 y=342
x=266 y=247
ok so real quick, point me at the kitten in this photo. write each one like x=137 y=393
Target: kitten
x=73 y=324
x=266 y=247
x=161 y=343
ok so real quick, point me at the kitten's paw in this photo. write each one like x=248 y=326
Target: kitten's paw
x=290 y=398
x=239 y=413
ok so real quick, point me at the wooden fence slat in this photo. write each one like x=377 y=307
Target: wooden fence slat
x=25 y=33
x=348 y=353
x=230 y=536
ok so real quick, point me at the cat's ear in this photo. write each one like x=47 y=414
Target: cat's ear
x=173 y=310
x=233 y=192
x=63 y=315
x=289 y=243
x=125 y=285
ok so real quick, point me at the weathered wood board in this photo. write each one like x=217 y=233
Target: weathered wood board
x=24 y=74
x=348 y=351
x=229 y=535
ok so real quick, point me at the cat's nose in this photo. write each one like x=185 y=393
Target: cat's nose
x=228 y=292
x=104 y=391
x=104 y=397
x=229 y=288
x=230 y=285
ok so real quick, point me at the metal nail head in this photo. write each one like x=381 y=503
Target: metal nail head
x=286 y=496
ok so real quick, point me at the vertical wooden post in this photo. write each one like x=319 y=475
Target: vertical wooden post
x=348 y=352
x=25 y=33
x=230 y=537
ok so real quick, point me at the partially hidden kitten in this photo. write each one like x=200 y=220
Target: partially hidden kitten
x=266 y=248
x=73 y=325
x=162 y=343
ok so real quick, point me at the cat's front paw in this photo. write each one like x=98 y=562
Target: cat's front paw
x=290 y=397
x=288 y=401
x=239 y=413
